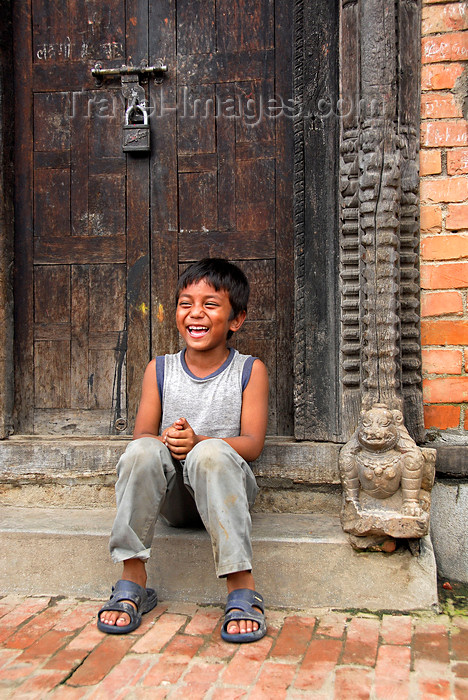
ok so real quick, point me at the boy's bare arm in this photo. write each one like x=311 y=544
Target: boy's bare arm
x=149 y=411
x=180 y=438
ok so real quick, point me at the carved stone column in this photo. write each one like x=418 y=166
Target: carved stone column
x=383 y=471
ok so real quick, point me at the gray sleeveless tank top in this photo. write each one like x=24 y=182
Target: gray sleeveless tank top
x=211 y=405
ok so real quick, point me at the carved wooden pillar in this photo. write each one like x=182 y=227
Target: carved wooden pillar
x=6 y=220
x=379 y=209
x=387 y=478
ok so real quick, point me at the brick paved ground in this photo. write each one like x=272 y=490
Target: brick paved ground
x=51 y=647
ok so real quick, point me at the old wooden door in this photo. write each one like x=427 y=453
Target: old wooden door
x=101 y=236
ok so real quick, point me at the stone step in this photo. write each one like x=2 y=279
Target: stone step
x=79 y=472
x=301 y=561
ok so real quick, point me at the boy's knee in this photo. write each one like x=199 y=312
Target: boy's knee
x=209 y=456
x=211 y=450
x=144 y=454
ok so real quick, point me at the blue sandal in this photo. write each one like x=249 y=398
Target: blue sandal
x=145 y=600
x=241 y=605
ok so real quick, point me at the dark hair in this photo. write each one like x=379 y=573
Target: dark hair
x=221 y=274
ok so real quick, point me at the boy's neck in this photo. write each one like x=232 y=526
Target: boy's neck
x=201 y=364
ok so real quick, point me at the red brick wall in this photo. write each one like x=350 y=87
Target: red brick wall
x=444 y=213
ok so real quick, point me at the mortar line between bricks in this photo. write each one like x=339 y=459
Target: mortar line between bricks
x=344 y=640
x=33 y=615
x=412 y=650
x=62 y=682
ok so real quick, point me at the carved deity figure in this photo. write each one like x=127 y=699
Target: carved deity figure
x=386 y=478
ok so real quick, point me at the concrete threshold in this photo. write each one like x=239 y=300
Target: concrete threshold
x=300 y=560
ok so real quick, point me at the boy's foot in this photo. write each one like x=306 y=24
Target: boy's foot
x=129 y=598
x=236 y=581
x=133 y=570
x=244 y=605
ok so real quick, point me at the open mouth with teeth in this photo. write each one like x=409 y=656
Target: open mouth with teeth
x=197 y=331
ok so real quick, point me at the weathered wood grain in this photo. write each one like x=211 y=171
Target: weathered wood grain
x=245 y=25
x=138 y=248
x=224 y=67
x=79 y=336
x=197 y=163
x=316 y=259
x=196 y=26
x=284 y=321
x=79 y=171
x=379 y=202
x=198 y=202
x=210 y=186
x=24 y=226
x=164 y=184
x=194 y=245
x=7 y=135
x=79 y=250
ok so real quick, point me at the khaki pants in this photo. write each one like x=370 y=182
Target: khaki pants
x=213 y=483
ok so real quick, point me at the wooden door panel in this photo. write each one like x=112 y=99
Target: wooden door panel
x=196 y=27
x=76 y=253
x=51 y=218
x=228 y=149
x=91 y=221
x=244 y=25
x=52 y=336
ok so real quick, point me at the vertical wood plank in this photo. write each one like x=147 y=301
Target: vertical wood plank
x=196 y=26
x=106 y=282
x=284 y=222
x=350 y=365
x=52 y=282
x=51 y=203
x=197 y=201
x=52 y=344
x=51 y=122
x=164 y=204
x=51 y=36
x=196 y=131
x=245 y=25
x=226 y=141
x=79 y=170
x=52 y=390
x=79 y=371
x=317 y=415
x=7 y=137
x=138 y=202
x=255 y=194
x=23 y=284
x=98 y=30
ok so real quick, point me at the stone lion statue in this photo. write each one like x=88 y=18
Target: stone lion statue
x=386 y=477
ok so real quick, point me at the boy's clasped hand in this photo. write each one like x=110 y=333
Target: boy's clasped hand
x=179 y=438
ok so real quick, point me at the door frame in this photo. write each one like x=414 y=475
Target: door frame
x=329 y=387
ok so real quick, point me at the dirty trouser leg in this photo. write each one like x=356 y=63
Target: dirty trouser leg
x=224 y=488
x=146 y=472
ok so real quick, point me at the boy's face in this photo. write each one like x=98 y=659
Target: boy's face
x=204 y=316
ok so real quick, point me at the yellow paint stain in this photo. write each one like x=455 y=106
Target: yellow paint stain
x=143 y=308
x=223 y=529
x=133 y=21
x=160 y=314
x=230 y=500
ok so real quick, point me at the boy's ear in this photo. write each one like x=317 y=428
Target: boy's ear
x=237 y=322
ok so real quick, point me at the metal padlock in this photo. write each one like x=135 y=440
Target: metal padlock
x=136 y=136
